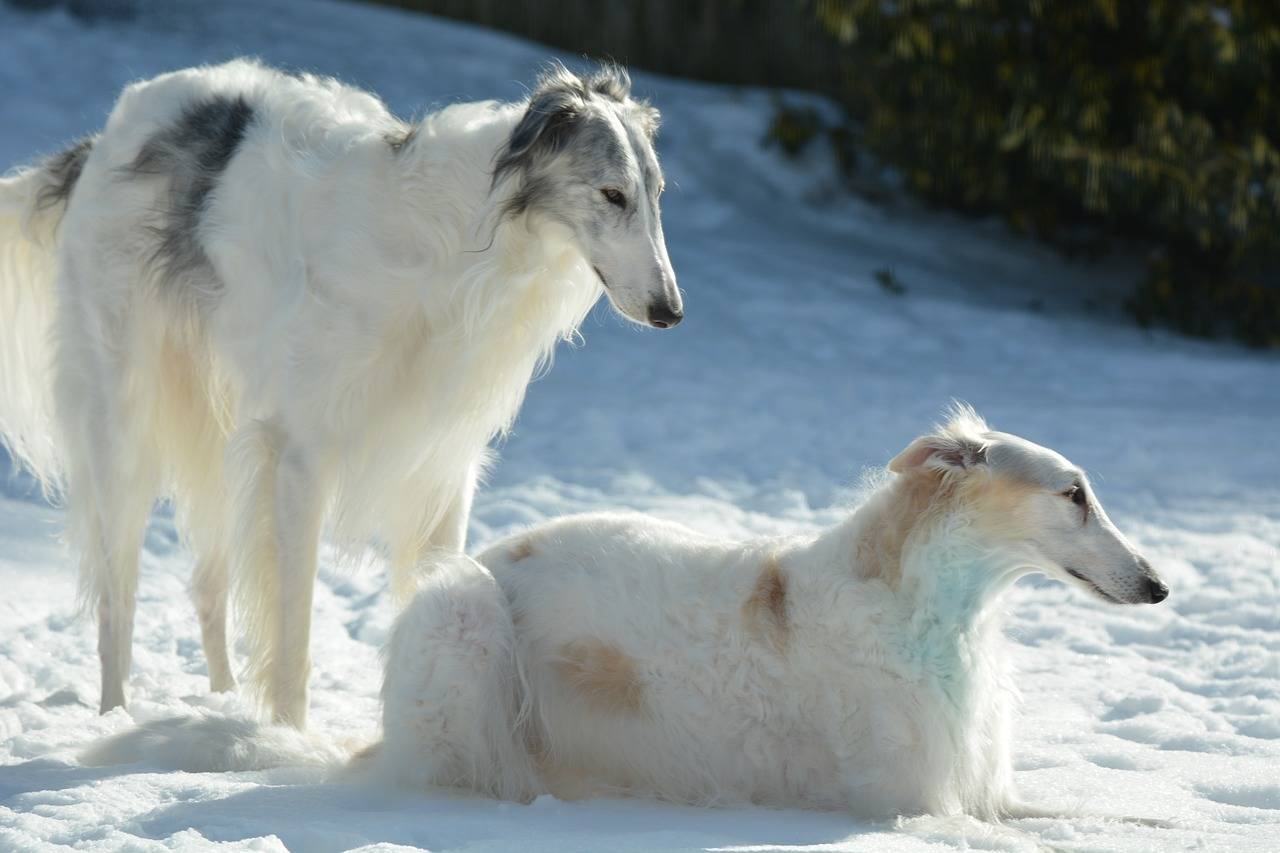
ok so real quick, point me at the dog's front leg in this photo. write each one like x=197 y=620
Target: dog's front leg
x=450 y=533
x=449 y=536
x=872 y=737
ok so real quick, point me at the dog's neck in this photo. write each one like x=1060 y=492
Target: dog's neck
x=948 y=590
x=527 y=262
x=915 y=535
x=448 y=157
x=940 y=628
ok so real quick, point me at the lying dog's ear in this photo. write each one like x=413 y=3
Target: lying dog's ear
x=941 y=453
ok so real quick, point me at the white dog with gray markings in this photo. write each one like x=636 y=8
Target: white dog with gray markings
x=861 y=668
x=267 y=297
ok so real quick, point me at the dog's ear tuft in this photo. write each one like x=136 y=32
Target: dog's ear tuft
x=650 y=118
x=940 y=453
x=612 y=81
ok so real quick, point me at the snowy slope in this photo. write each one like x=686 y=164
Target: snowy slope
x=793 y=372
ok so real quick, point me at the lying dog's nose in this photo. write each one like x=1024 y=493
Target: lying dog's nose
x=663 y=316
x=1157 y=590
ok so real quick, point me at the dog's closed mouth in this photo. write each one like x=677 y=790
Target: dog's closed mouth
x=1102 y=593
x=604 y=281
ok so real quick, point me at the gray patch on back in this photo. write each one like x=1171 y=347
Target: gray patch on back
x=192 y=154
x=63 y=170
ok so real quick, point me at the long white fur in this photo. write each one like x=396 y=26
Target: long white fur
x=377 y=324
x=862 y=668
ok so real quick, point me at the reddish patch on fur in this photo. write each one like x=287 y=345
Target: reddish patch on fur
x=522 y=550
x=1000 y=504
x=765 y=611
x=603 y=675
x=878 y=549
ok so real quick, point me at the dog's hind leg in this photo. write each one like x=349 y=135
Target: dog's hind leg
x=299 y=511
x=209 y=589
x=280 y=496
x=109 y=546
x=111 y=487
x=193 y=439
x=203 y=509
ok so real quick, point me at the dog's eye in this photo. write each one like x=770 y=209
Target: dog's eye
x=614 y=197
x=1076 y=495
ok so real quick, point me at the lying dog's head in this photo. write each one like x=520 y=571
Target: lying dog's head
x=1031 y=501
x=583 y=155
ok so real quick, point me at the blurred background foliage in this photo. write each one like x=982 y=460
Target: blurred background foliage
x=1155 y=122
x=1089 y=123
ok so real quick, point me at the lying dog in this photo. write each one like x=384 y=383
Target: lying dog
x=861 y=669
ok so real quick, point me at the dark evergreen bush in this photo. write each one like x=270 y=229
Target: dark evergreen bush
x=1154 y=120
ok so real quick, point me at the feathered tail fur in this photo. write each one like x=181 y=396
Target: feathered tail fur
x=32 y=202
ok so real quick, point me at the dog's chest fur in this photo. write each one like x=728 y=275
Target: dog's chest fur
x=444 y=385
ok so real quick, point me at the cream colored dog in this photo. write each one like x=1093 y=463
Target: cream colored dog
x=862 y=668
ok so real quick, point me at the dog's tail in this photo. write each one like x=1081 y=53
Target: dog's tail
x=32 y=202
x=205 y=743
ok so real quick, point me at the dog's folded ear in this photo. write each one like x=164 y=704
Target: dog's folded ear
x=554 y=107
x=545 y=125
x=940 y=453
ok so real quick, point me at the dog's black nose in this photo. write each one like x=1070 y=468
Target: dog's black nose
x=663 y=316
x=1157 y=590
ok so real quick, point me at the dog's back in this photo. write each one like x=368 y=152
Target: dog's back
x=663 y=662
x=213 y=264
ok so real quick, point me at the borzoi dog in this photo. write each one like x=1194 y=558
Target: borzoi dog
x=861 y=668
x=269 y=298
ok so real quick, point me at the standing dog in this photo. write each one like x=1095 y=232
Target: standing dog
x=861 y=668
x=267 y=297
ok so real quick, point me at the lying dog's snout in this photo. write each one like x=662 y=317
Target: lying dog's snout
x=663 y=316
x=1157 y=589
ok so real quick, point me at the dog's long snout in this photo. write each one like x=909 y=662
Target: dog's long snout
x=663 y=315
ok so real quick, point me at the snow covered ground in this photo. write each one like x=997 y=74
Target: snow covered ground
x=793 y=372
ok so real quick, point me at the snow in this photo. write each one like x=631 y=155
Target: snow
x=793 y=372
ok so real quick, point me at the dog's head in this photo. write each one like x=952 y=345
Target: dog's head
x=583 y=155
x=1029 y=500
